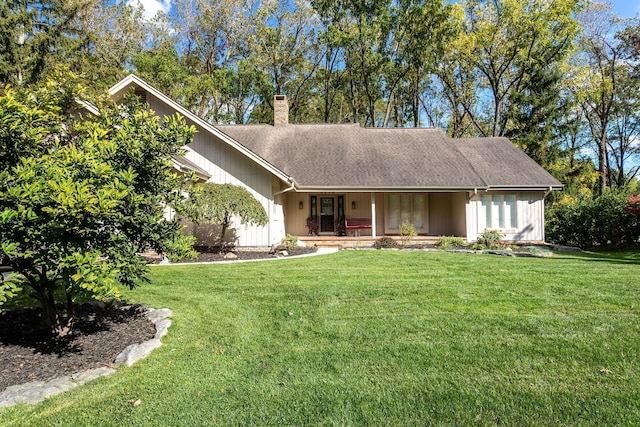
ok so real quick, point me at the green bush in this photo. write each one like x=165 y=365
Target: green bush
x=450 y=242
x=490 y=239
x=589 y=222
x=385 y=243
x=407 y=231
x=290 y=242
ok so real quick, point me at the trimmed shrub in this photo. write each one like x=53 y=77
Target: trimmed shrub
x=290 y=242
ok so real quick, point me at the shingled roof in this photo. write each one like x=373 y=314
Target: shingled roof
x=332 y=156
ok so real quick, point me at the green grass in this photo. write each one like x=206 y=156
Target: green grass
x=380 y=338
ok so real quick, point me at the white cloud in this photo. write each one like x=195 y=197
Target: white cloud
x=151 y=7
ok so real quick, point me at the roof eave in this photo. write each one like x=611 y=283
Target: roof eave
x=533 y=187
x=418 y=189
x=385 y=189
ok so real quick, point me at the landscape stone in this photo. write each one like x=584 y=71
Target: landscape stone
x=91 y=374
x=162 y=328
x=135 y=352
x=230 y=255
x=160 y=314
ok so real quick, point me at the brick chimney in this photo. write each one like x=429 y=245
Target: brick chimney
x=280 y=110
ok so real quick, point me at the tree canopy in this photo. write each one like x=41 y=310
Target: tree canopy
x=220 y=203
x=83 y=195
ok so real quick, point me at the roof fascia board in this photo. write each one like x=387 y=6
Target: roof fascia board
x=525 y=187
x=386 y=189
x=132 y=78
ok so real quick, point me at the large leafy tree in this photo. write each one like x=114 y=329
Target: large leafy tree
x=80 y=198
x=32 y=34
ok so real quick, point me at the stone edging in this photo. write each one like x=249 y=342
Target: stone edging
x=37 y=391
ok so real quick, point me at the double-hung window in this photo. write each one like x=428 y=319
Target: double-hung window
x=497 y=212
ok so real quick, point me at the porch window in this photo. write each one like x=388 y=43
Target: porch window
x=497 y=211
x=406 y=208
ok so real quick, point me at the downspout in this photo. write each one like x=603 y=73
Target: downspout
x=544 y=220
x=293 y=185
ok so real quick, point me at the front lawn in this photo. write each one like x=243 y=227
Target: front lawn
x=379 y=338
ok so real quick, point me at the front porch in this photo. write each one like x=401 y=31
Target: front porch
x=432 y=214
x=356 y=241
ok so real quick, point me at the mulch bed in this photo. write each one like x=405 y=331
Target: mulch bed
x=27 y=353
x=206 y=256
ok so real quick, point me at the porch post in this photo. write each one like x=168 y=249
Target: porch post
x=373 y=215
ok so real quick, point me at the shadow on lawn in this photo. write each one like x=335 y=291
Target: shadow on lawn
x=627 y=257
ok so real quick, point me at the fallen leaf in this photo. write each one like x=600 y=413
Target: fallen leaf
x=605 y=371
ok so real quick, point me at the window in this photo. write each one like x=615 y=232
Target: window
x=406 y=208
x=497 y=211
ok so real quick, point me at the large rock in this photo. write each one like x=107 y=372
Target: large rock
x=135 y=352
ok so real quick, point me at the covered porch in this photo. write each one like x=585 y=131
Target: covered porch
x=323 y=215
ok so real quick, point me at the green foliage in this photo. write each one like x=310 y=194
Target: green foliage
x=313 y=225
x=385 y=243
x=33 y=33
x=450 y=242
x=588 y=222
x=219 y=203
x=407 y=232
x=290 y=242
x=490 y=239
x=84 y=197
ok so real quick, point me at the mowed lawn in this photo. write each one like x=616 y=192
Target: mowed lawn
x=379 y=338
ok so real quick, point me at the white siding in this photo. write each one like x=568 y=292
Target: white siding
x=529 y=217
x=227 y=166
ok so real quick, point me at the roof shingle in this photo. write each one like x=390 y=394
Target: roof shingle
x=348 y=156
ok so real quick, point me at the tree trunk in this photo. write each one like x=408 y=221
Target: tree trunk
x=57 y=323
x=602 y=163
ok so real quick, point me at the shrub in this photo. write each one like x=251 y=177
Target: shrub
x=290 y=242
x=490 y=239
x=450 y=242
x=81 y=198
x=385 y=243
x=407 y=231
x=588 y=222
x=219 y=203
x=313 y=225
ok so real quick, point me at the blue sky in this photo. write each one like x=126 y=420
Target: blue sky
x=626 y=8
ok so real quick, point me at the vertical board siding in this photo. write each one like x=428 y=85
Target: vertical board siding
x=529 y=217
x=227 y=166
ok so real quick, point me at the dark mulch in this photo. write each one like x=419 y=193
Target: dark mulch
x=208 y=256
x=100 y=334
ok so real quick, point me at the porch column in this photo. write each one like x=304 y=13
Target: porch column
x=373 y=215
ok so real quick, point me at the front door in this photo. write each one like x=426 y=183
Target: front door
x=326 y=215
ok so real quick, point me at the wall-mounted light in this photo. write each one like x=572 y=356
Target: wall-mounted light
x=300 y=205
x=353 y=204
